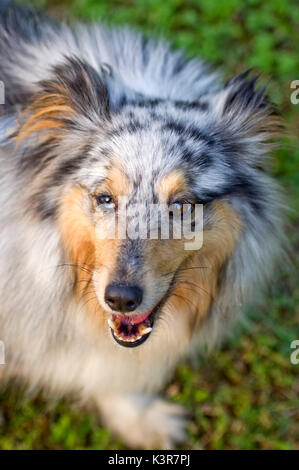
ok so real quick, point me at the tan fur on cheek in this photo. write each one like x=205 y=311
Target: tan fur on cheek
x=197 y=282
x=78 y=234
x=220 y=238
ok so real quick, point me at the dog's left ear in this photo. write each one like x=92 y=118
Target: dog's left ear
x=243 y=115
x=240 y=95
x=76 y=97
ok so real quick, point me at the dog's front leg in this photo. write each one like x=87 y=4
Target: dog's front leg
x=144 y=421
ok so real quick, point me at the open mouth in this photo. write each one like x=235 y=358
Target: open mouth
x=131 y=331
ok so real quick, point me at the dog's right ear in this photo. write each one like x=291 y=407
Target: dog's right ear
x=83 y=89
x=248 y=125
x=75 y=98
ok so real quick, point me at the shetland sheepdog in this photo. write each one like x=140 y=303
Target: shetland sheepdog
x=94 y=115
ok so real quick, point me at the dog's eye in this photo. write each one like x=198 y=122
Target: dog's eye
x=181 y=206
x=105 y=201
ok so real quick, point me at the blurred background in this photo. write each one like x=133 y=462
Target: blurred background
x=245 y=395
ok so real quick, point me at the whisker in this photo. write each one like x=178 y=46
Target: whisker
x=194 y=267
x=75 y=266
x=179 y=281
x=184 y=269
x=82 y=267
x=84 y=294
x=184 y=298
x=89 y=300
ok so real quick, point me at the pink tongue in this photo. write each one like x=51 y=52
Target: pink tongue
x=134 y=319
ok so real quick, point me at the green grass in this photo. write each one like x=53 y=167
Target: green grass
x=245 y=395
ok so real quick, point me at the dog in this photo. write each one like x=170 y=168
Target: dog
x=94 y=114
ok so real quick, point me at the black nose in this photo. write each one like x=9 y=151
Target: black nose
x=123 y=298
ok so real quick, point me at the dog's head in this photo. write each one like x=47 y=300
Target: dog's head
x=101 y=163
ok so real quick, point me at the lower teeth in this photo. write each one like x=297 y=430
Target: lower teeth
x=143 y=330
x=127 y=340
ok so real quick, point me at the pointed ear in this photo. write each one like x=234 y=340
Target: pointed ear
x=75 y=98
x=242 y=111
x=240 y=93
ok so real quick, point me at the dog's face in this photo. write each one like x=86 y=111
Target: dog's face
x=140 y=155
x=135 y=278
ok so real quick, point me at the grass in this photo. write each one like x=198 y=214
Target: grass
x=245 y=395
